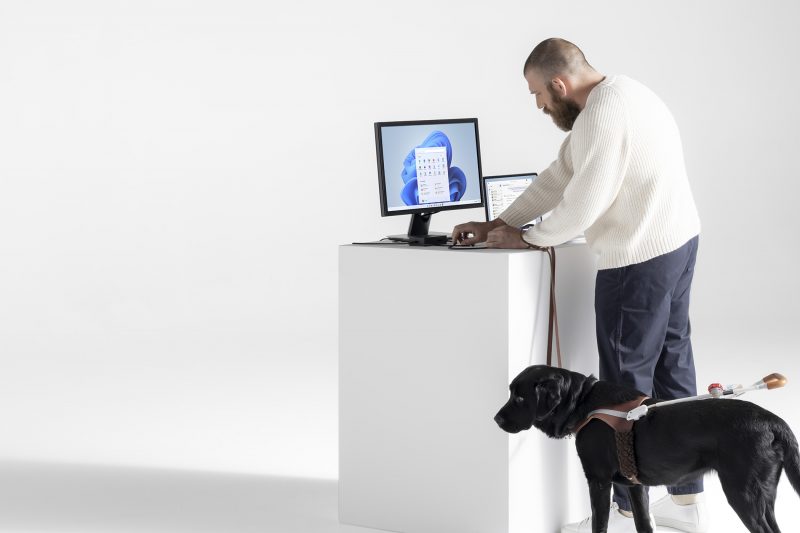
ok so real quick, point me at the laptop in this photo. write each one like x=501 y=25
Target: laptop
x=500 y=191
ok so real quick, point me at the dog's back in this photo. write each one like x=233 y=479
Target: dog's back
x=728 y=436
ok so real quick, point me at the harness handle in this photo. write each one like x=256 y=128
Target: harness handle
x=774 y=381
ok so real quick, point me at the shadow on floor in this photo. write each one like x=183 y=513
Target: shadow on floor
x=72 y=498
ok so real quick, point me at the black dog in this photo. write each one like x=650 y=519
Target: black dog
x=748 y=446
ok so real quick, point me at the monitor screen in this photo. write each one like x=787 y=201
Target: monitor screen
x=428 y=165
x=501 y=191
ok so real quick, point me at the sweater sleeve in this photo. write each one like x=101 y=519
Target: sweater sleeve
x=544 y=193
x=601 y=149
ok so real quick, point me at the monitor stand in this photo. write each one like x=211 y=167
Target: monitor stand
x=418 y=234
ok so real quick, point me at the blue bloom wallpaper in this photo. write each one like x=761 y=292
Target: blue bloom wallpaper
x=457 y=179
x=400 y=144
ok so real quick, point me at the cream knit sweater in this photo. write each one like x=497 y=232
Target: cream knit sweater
x=620 y=178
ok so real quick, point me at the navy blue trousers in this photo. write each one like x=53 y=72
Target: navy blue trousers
x=644 y=334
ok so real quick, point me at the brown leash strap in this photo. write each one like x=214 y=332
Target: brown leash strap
x=552 y=319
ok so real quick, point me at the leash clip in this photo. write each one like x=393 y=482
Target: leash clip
x=637 y=413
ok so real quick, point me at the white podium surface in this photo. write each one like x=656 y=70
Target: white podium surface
x=429 y=339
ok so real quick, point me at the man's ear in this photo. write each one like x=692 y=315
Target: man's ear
x=559 y=86
x=548 y=396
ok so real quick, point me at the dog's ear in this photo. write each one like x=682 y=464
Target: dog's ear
x=548 y=396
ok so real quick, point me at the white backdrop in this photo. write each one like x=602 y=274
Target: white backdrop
x=175 y=178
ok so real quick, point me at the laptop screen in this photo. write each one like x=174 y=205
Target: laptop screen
x=500 y=191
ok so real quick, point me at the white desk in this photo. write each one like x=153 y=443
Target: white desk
x=429 y=340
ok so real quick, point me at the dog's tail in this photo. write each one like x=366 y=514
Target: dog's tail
x=791 y=457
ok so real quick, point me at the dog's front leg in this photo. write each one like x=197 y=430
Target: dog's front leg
x=600 y=495
x=641 y=508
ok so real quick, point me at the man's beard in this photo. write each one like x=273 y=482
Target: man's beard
x=563 y=111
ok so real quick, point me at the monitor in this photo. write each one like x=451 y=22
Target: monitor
x=501 y=191
x=425 y=166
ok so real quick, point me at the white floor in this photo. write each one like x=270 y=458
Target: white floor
x=42 y=497
x=74 y=498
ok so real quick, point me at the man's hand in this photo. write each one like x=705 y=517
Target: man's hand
x=471 y=233
x=506 y=237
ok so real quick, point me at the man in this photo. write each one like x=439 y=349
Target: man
x=620 y=178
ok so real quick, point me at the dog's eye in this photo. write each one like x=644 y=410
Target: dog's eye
x=519 y=400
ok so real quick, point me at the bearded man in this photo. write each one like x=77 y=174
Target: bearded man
x=621 y=179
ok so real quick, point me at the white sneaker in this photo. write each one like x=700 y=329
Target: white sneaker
x=617 y=523
x=692 y=518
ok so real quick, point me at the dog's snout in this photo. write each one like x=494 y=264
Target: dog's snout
x=499 y=419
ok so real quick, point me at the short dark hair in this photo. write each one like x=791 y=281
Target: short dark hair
x=556 y=56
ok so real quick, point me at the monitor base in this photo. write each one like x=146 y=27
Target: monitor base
x=431 y=239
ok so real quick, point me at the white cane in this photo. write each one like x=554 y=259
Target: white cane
x=715 y=390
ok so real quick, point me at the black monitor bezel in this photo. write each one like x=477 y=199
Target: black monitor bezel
x=382 y=177
x=498 y=176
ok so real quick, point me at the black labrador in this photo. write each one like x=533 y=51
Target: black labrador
x=745 y=444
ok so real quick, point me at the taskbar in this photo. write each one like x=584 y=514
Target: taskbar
x=434 y=205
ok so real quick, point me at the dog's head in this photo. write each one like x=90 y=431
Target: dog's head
x=544 y=397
